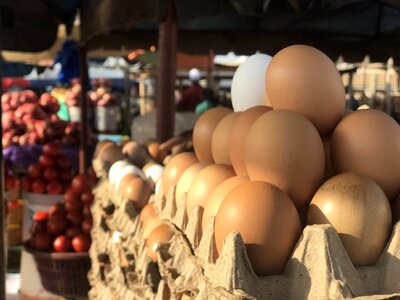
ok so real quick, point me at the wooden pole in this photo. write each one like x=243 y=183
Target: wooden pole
x=166 y=74
x=84 y=78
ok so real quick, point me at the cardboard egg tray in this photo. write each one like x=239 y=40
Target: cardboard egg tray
x=188 y=267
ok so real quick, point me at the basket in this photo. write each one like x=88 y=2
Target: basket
x=63 y=274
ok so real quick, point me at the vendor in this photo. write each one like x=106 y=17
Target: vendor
x=192 y=95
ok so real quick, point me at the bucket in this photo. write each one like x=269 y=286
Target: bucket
x=105 y=118
x=34 y=203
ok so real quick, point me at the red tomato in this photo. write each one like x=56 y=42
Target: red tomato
x=66 y=175
x=86 y=211
x=42 y=241
x=35 y=171
x=75 y=217
x=41 y=216
x=38 y=186
x=73 y=205
x=63 y=163
x=51 y=173
x=38 y=227
x=54 y=187
x=73 y=232
x=57 y=225
x=10 y=183
x=87 y=197
x=62 y=244
x=81 y=184
x=51 y=150
x=70 y=195
x=87 y=225
x=81 y=243
x=46 y=161
x=26 y=184
x=57 y=210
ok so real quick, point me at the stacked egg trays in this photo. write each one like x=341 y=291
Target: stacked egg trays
x=188 y=267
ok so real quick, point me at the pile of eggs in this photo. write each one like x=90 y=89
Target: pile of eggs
x=290 y=148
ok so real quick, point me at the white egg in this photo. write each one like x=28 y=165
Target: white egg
x=129 y=169
x=115 y=168
x=154 y=172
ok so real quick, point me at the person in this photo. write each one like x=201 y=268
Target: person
x=208 y=102
x=192 y=95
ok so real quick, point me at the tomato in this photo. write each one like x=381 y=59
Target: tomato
x=38 y=227
x=87 y=225
x=73 y=205
x=41 y=216
x=86 y=211
x=54 y=187
x=38 y=186
x=75 y=217
x=70 y=195
x=35 y=171
x=42 y=241
x=81 y=243
x=62 y=244
x=10 y=183
x=87 y=197
x=66 y=175
x=46 y=161
x=51 y=149
x=57 y=210
x=51 y=173
x=63 y=163
x=57 y=225
x=26 y=184
x=73 y=232
x=81 y=184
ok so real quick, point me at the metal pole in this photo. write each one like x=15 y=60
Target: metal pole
x=84 y=78
x=3 y=249
x=167 y=40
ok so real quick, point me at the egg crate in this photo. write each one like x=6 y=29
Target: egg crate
x=319 y=267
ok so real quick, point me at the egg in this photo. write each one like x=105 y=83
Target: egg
x=115 y=169
x=203 y=131
x=185 y=181
x=136 y=153
x=128 y=169
x=161 y=234
x=155 y=152
x=100 y=145
x=266 y=219
x=138 y=191
x=218 y=195
x=154 y=172
x=147 y=212
x=149 y=225
x=148 y=165
x=368 y=142
x=174 y=169
x=358 y=210
x=303 y=79
x=284 y=149
x=238 y=136
x=125 y=180
x=221 y=138
x=205 y=182
x=109 y=154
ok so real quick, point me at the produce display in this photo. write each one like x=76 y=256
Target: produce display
x=66 y=227
x=297 y=196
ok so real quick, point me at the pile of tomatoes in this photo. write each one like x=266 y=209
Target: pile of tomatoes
x=51 y=175
x=66 y=226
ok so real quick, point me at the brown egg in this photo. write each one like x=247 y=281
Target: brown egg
x=285 y=149
x=218 y=195
x=174 y=169
x=205 y=182
x=203 y=132
x=161 y=234
x=368 y=142
x=149 y=225
x=125 y=181
x=266 y=219
x=109 y=154
x=239 y=134
x=184 y=182
x=147 y=212
x=396 y=210
x=359 y=211
x=303 y=79
x=155 y=152
x=136 y=153
x=100 y=145
x=137 y=190
x=221 y=138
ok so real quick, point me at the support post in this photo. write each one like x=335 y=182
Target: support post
x=83 y=138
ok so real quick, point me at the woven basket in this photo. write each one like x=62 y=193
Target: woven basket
x=63 y=274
